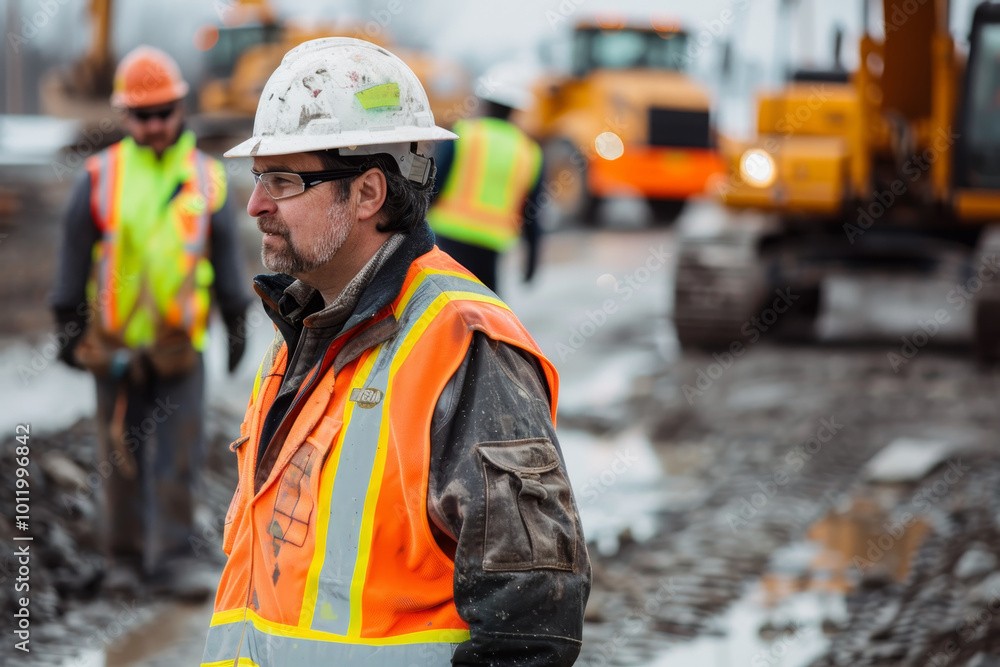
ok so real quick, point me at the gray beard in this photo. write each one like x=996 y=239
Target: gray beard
x=297 y=260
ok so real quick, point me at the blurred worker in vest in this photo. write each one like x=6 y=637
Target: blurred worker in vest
x=402 y=498
x=489 y=182
x=148 y=239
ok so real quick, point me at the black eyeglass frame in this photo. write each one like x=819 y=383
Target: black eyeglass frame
x=308 y=178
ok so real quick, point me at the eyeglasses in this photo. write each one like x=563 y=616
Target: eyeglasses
x=284 y=184
x=144 y=115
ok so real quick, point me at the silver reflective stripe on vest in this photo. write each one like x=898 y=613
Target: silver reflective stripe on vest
x=276 y=651
x=357 y=458
x=223 y=641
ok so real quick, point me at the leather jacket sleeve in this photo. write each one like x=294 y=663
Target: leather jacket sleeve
x=500 y=501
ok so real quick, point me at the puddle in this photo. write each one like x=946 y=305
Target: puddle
x=787 y=616
x=620 y=486
x=760 y=633
x=176 y=637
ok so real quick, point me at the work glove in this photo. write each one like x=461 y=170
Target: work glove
x=236 y=334
x=71 y=326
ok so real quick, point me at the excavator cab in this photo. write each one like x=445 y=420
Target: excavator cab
x=977 y=159
x=235 y=41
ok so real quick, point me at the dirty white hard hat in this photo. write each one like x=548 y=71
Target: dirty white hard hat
x=348 y=94
x=507 y=84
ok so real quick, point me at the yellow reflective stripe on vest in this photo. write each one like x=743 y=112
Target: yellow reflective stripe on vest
x=495 y=167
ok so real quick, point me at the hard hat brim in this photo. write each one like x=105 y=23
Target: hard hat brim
x=307 y=143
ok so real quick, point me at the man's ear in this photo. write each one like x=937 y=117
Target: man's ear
x=370 y=190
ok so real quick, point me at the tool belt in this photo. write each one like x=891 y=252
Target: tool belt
x=171 y=356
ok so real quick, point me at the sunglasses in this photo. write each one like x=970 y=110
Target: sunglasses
x=144 y=115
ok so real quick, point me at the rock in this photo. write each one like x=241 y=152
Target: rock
x=983 y=660
x=985 y=592
x=975 y=563
x=911 y=459
x=63 y=470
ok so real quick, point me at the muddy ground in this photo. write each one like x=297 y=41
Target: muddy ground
x=737 y=509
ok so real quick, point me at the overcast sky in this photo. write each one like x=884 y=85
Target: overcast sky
x=480 y=32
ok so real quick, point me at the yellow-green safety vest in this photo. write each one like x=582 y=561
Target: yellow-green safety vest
x=151 y=262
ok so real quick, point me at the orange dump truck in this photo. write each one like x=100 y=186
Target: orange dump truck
x=625 y=121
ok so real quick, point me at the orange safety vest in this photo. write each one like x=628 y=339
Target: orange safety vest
x=332 y=561
x=151 y=261
x=482 y=202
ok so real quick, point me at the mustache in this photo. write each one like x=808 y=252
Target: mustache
x=270 y=225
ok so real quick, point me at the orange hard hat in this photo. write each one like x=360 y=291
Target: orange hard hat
x=145 y=77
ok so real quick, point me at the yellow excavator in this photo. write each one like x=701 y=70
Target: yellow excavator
x=893 y=168
x=83 y=90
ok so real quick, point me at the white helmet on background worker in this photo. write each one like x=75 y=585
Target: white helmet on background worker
x=507 y=84
x=347 y=94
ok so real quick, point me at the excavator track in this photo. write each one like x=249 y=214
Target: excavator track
x=986 y=320
x=719 y=286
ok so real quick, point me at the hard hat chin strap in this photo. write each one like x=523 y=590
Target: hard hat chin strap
x=412 y=166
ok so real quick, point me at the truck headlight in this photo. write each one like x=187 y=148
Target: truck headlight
x=757 y=168
x=609 y=145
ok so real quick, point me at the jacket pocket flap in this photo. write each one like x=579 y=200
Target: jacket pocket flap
x=521 y=456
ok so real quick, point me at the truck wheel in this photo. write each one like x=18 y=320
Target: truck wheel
x=570 y=201
x=666 y=211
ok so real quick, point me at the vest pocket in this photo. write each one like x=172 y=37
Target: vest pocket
x=530 y=520
x=294 y=504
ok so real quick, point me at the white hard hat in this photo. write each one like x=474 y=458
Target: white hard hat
x=506 y=84
x=343 y=93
